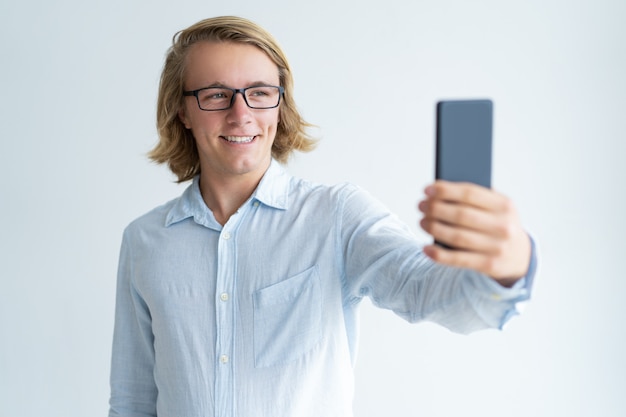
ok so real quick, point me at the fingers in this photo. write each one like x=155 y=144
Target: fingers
x=469 y=206
x=467 y=217
x=460 y=238
x=468 y=194
x=481 y=224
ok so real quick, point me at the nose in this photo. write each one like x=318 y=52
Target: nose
x=239 y=111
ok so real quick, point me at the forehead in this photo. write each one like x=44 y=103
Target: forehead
x=229 y=63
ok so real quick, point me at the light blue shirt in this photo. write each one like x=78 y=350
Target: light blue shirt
x=260 y=317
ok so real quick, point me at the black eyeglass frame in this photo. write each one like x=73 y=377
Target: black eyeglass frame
x=194 y=93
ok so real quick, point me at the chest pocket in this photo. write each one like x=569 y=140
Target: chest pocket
x=287 y=319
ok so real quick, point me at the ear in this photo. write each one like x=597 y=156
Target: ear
x=182 y=116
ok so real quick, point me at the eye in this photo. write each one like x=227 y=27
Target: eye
x=214 y=94
x=259 y=92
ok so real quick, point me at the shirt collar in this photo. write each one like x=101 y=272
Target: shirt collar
x=272 y=191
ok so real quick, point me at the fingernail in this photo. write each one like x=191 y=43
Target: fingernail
x=429 y=191
x=428 y=251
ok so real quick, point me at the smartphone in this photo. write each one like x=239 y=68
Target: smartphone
x=464 y=142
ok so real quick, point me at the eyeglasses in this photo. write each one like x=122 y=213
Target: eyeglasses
x=222 y=98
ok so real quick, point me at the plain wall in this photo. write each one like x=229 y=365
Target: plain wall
x=77 y=102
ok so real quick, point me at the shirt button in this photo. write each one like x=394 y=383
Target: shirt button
x=226 y=235
x=224 y=296
x=496 y=297
x=224 y=358
x=256 y=204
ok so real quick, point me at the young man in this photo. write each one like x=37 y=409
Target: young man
x=240 y=298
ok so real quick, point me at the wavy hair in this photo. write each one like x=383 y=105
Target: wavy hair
x=176 y=145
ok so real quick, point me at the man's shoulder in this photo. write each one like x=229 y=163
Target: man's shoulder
x=155 y=218
x=304 y=186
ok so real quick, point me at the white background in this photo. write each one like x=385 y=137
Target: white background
x=77 y=102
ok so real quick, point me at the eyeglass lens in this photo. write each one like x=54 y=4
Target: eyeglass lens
x=216 y=98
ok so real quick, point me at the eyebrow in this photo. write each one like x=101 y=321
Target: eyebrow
x=219 y=84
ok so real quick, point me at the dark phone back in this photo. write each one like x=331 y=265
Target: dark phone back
x=464 y=141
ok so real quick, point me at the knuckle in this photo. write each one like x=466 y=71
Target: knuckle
x=508 y=230
x=472 y=192
x=507 y=205
x=505 y=229
x=462 y=216
x=467 y=193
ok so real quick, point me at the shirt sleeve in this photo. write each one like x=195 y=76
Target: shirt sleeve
x=133 y=390
x=385 y=262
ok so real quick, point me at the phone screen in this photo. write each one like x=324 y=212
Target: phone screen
x=464 y=141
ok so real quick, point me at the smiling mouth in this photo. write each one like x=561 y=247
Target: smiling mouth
x=239 y=139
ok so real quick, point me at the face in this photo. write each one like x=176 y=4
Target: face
x=237 y=142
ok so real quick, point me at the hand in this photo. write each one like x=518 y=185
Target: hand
x=481 y=224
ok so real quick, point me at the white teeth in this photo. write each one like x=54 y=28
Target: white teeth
x=239 y=139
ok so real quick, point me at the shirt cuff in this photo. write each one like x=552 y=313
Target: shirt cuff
x=513 y=297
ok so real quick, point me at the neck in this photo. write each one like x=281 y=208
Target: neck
x=224 y=196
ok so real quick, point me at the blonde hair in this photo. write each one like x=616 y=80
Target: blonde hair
x=176 y=145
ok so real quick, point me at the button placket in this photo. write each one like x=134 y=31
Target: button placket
x=226 y=258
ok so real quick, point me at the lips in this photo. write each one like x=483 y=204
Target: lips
x=239 y=139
